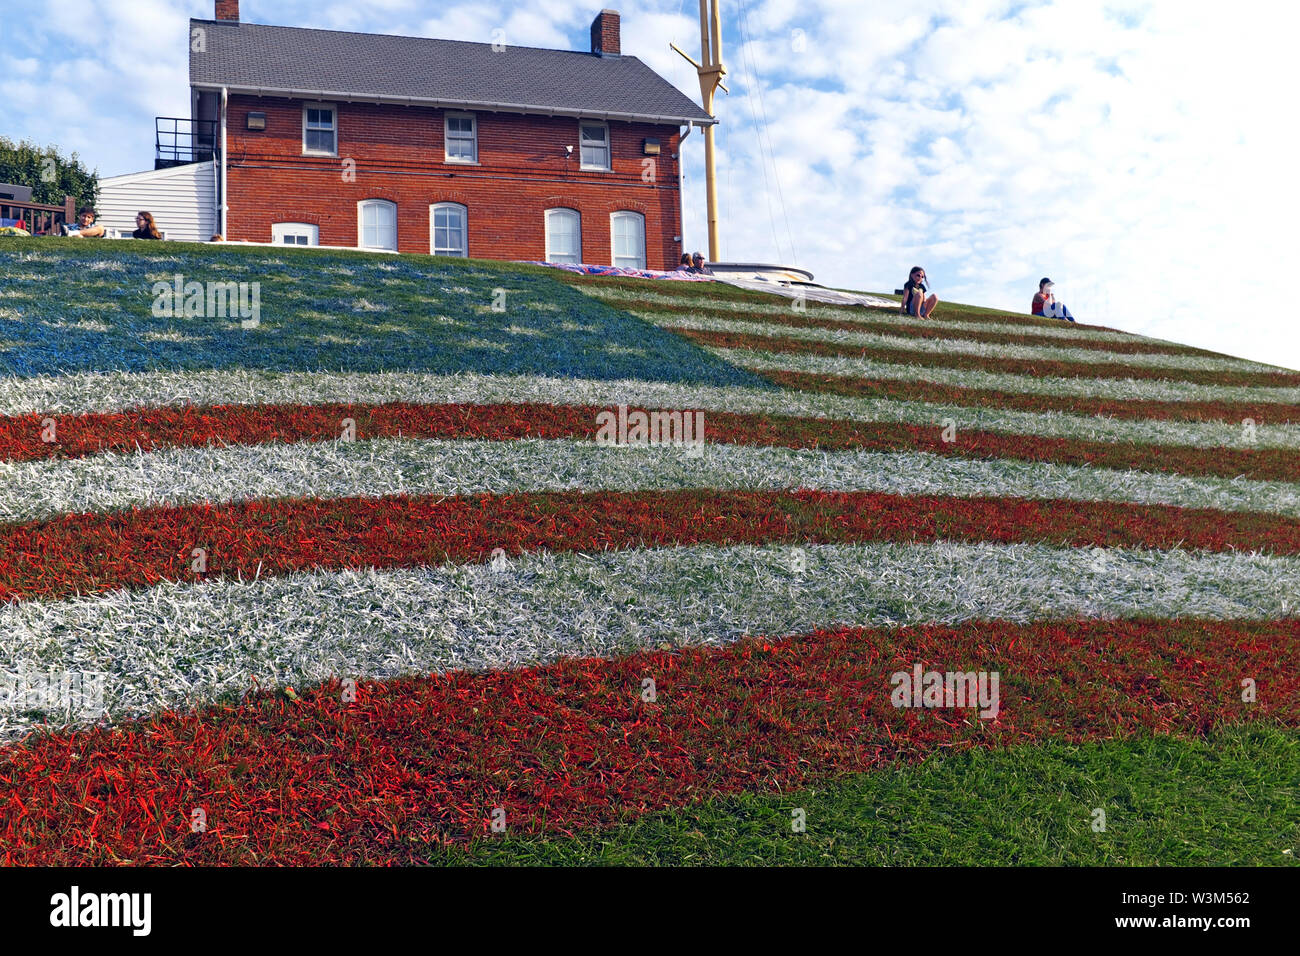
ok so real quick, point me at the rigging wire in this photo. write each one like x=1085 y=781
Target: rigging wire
x=764 y=130
x=750 y=80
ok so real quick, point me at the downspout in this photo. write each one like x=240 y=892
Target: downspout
x=681 y=189
x=224 y=206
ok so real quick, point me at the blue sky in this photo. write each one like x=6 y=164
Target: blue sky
x=1136 y=152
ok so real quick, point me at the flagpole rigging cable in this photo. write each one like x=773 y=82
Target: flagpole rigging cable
x=765 y=131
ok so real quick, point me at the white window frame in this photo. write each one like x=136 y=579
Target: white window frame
x=334 y=112
x=614 y=217
x=446 y=138
x=609 y=146
x=361 y=224
x=547 y=218
x=463 y=251
x=281 y=230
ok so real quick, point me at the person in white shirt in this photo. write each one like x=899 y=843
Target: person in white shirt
x=85 y=227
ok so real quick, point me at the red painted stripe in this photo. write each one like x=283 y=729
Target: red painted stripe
x=151 y=428
x=913 y=330
x=684 y=291
x=983 y=363
x=141 y=547
x=222 y=425
x=1260 y=413
x=426 y=761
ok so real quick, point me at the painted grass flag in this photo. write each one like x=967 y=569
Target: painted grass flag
x=435 y=556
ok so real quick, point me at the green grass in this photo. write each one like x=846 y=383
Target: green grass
x=1233 y=799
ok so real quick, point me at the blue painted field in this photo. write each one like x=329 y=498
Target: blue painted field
x=75 y=306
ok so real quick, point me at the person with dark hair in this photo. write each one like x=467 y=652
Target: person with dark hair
x=914 y=301
x=85 y=227
x=145 y=227
x=685 y=264
x=1045 y=303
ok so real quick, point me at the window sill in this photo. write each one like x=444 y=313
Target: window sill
x=319 y=155
x=595 y=169
x=461 y=162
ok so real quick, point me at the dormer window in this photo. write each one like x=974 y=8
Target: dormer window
x=593 y=141
x=319 y=130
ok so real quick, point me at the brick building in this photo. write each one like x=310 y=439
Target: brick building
x=442 y=146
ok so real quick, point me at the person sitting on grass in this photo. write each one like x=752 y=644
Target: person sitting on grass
x=914 y=301
x=85 y=227
x=1045 y=303
x=145 y=227
x=698 y=265
x=685 y=264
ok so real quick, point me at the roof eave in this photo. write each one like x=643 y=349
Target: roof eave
x=531 y=109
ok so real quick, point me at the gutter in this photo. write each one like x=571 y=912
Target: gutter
x=495 y=107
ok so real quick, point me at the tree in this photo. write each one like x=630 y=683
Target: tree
x=50 y=175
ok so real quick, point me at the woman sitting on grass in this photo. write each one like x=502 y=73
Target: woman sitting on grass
x=914 y=300
x=1045 y=303
x=145 y=227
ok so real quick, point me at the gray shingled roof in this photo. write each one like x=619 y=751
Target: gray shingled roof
x=327 y=63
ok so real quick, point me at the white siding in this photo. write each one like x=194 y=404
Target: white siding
x=182 y=200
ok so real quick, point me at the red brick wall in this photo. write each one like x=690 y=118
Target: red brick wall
x=399 y=156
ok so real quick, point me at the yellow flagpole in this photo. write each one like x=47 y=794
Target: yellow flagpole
x=710 y=71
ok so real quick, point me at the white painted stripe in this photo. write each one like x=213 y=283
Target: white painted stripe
x=178 y=476
x=119 y=391
x=1114 y=388
x=960 y=347
x=175 y=645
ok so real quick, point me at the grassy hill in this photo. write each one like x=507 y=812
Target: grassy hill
x=362 y=582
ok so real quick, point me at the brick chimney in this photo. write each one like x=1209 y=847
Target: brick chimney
x=604 y=33
x=228 y=10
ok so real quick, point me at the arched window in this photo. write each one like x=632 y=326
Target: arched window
x=563 y=235
x=627 y=237
x=377 y=224
x=448 y=229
